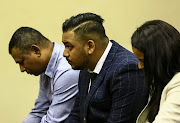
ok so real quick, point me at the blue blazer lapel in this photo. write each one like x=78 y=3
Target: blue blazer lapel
x=100 y=76
x=85 y=79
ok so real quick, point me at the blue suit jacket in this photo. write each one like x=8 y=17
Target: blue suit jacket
x=117 y=95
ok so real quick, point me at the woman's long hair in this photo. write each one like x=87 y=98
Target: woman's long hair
x=160 y=43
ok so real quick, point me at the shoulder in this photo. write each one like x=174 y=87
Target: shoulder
x=66 y=79
x=174 y=83
x=64 y=72
x=124 y=61
x=172 y=87
x=122 y=55
x=176 y=78
x=120 y=60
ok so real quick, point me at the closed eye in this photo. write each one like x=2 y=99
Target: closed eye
x=68 y=46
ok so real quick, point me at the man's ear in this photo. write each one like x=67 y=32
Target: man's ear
x=35 y=49
x=91 y=46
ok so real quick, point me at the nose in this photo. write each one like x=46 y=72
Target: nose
x=22 y=68
x=140 y=65
x=66 y=53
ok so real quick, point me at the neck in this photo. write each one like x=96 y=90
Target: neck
x=97 y=54
x=48 y=53
x=50 y=50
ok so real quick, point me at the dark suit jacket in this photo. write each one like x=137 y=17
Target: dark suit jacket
x=117 y=95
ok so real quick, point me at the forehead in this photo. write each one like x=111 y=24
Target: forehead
x=69 y=37
x=17 y=54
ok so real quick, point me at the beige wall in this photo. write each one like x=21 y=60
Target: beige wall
x=18 y=91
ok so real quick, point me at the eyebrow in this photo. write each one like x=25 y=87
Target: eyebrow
x=65 y=42
x=17 y=62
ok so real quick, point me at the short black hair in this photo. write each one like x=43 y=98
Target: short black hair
x=24 y=37
x=84 y=24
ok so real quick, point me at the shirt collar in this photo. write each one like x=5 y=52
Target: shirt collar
x=101 y=61
x=56 y=54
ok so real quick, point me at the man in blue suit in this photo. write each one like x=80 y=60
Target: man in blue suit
x=111 y=87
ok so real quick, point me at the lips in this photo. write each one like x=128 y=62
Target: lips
x=27 y=72
x=69 y=61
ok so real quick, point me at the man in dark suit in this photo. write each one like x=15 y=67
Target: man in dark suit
x=117 y=94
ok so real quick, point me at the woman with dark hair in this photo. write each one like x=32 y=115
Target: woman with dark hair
x=157 y=46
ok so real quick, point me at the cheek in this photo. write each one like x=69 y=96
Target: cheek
x=27 y=64
x=32 y=64
x=78 y=57
x=75 y=53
